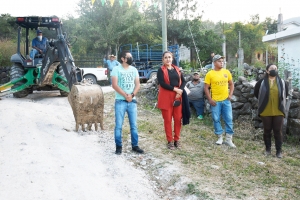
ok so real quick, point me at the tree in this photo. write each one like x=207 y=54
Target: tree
x=270 y=25
x=103 y=28
x=251 y=39
x=8 y=27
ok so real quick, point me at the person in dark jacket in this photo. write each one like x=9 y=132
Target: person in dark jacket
x=271 y=92
x=209 y=61
x=171 y=87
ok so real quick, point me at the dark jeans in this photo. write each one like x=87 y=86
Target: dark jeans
x=198 y=105
x=272 y=123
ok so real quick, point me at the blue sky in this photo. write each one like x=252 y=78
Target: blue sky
x=215 y=10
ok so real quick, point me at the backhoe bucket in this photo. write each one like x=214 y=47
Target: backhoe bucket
x=87 y=102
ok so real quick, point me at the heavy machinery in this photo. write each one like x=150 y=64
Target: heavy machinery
x=148 y=59
x=54 y=70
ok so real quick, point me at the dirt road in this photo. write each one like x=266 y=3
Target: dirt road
x=42 y=157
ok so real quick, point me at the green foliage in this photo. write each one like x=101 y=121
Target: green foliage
x=8 y=48
x=234 y=72
x=7 y=27
x=259 y=64
x=270 y=25
x=102 y=29
x=282 y=65
x=188 y=65
x=251 y=39
x=206 y=40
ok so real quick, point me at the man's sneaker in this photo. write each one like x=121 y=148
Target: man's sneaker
x=228 y=141
x=137 y=149
x=200 y=117
x=177 y=144
x=118 y=150
x=220 y=139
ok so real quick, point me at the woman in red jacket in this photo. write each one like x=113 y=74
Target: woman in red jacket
x=171 y=85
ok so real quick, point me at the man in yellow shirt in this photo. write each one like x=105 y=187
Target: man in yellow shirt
x=218 y=81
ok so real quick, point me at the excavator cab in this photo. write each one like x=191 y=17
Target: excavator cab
x=53 y=70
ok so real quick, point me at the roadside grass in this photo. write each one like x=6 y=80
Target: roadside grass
x=218 y=171
x=239 y=173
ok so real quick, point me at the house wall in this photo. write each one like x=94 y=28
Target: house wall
x=289 y=57
x=184 y=53
x=288 y=51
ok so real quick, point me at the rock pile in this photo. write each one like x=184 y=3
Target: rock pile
x=4 y=75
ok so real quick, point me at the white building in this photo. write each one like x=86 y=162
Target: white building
x=287 y=40
x=184 y=53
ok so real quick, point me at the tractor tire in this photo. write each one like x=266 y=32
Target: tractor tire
x=90 y=79
x=62 y=73
x=17 y=71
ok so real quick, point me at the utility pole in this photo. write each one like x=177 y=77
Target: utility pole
x=164 y=25
x=267 y=57
x=240 y=57
x=224 y=46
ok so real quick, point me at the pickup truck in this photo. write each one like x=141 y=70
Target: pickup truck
x=92 y=75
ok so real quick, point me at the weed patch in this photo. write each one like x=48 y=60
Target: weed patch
x=217 y=171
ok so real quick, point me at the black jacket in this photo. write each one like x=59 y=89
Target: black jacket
x=186 y=114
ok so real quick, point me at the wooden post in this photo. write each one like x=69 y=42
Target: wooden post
x=288 y=78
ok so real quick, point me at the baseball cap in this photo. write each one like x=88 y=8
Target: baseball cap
x=38 y=31
x=217 y=57
x=196 y=73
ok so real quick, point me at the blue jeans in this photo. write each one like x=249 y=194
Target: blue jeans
x=198 y=105
x=222 y=108
x=122 y=106
x=33 y=52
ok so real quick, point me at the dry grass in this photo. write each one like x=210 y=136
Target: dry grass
x=8 y=48
x=219 y=171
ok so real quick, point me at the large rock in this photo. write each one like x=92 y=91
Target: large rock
x=254 y=102
x=237 y=105
x=239 y=87
x=248 y=95
x=246 y=89
x=246 y=109
x=242 y=79
x=235 y=114
x=294 y=113
x=246 y=84
x=295 y=103
x=255 y=115
x=237 y=93
x=237 y=83
x=258 y=124
x=234 y=98
x=294 y=127
x=243 y=99
x=296 y=95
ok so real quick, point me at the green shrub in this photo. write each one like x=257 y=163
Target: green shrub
x=8 y=48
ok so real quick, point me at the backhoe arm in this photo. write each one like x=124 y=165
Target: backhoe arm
x=58 y=54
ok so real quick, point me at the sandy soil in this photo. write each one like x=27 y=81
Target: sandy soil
x=42 y=157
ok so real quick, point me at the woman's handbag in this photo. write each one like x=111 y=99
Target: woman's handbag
x=176 y=103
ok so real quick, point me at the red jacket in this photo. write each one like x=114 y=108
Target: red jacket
x=166 y=97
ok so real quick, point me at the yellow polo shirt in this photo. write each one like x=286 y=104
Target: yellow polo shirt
x=218 y=81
